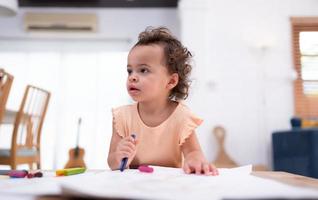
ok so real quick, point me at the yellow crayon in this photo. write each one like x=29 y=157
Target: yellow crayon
x=70 y=171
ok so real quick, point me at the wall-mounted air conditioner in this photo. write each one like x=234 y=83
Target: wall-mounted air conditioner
x=60 y=22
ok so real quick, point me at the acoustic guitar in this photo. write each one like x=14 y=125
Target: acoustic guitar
x=76 y=155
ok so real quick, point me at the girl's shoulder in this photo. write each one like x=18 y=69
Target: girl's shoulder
x=183 y=107
x=124 y=108
x=188 y=122
x=184 y=110
x=123 y=116
x=185 y=114
x=125 y=112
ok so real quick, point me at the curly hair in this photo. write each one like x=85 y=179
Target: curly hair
x=177 y=57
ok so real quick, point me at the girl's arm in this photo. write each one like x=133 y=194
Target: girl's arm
x=120 y=148
x=194 y=160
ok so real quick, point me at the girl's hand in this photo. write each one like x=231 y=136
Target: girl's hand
x=195 y=163
x=126 y=148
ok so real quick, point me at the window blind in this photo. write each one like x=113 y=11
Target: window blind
x=306 y=65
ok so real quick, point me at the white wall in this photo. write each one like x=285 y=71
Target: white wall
x=113 y=23
x=243 y=72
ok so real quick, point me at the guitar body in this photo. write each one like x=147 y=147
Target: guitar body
x=76 y=155
x=76 y=158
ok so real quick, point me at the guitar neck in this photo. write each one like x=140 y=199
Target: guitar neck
x=78 y=132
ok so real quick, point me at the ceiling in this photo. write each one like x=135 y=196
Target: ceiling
x=100 y=3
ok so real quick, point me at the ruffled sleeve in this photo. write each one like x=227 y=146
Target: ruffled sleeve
x=191 y=122
x=118 y=121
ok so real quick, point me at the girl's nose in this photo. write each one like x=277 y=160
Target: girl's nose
x=133 y=78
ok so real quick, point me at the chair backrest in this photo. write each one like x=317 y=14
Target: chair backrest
x=6 y=80
x=30 y=118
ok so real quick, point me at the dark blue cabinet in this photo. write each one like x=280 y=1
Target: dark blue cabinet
x=296 y=151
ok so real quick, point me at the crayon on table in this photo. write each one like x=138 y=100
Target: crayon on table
x=18 y=173
x=14 y=173
x=70 y=171
x=145 y=168
x=35 y=175
x=5 y=171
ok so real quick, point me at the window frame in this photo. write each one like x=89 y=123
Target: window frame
x=305 y=106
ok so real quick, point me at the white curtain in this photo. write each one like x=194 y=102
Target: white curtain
x=86 y=79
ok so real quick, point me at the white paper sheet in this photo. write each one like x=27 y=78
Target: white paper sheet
x=169 y=183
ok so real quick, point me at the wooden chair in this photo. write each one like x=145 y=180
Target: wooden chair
x=26 y=137
x=6 y=80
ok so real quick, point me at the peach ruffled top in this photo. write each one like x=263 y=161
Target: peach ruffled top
x=160 y=145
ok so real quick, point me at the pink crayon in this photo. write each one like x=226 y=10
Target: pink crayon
x=18 y=173
x=145 y=168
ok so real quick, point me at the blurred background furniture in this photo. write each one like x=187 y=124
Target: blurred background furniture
x=6 y=80
x=296 y=151
x=222 y=160
x=26 y=136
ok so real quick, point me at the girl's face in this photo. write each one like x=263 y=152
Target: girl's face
x=148 y=78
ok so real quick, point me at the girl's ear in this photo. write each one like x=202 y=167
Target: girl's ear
x=174 y=79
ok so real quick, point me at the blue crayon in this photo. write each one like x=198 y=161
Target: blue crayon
x=124 y=161
x=5 y=171
x=123 y=164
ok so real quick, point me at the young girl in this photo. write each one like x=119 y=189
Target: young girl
x=158 y=79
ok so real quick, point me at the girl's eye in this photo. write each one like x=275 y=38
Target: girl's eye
x=129 y=71
x=144 y=70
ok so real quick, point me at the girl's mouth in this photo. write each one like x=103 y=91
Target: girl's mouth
x=133 y=90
